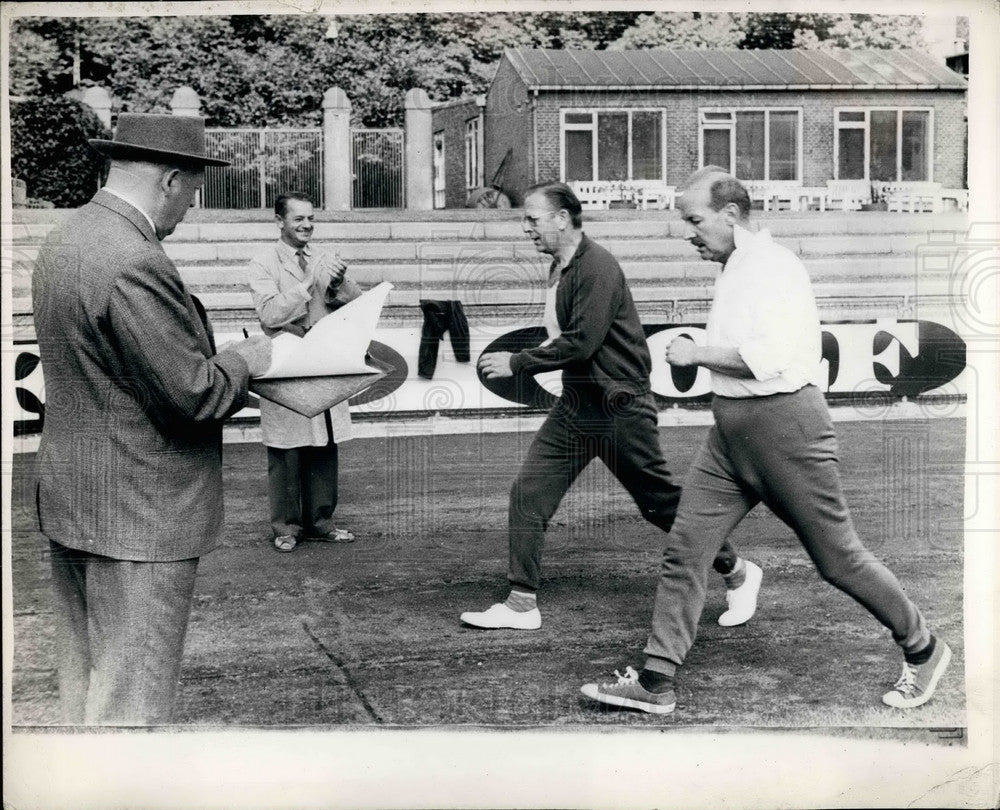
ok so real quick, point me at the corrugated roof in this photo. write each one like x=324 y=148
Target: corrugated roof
x=659 y=68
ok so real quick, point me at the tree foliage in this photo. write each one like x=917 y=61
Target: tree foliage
x=49 y=149
x=254 y=70
x=772 y=30
x=862 y=31
x=682 y=30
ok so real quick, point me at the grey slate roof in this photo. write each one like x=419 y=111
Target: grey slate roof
x=662 y=69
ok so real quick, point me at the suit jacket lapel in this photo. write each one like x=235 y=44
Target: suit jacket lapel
x=289 y=262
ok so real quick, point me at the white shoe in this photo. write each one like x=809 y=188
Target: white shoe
x=500 y=616
x=742 y=601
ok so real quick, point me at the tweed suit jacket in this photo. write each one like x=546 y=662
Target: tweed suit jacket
x=130 y=461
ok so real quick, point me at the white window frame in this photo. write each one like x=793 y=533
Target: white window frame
x=439 y=185
x=730 y=125
x=592 y=127
x=866 y=126
x=473 y=154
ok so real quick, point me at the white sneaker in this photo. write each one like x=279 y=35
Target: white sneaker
x=500 y=616
x=742 y=601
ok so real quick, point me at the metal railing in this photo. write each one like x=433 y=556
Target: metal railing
x=265 y=163
x=377 y=168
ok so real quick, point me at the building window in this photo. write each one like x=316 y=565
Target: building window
x=883 y=144
x=612 y=145
x=754 y=144
x=473 y=153
x=439 y=187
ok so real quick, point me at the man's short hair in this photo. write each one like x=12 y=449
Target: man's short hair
x=726 y=189
x=559 y=196
x=281 y=202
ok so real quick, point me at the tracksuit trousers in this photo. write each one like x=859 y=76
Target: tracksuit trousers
x=780 y=450
x=578 y=429
x=441 y=317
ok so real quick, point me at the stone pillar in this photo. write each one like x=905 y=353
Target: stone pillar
x=419 y=152
x=99 y=100
x=185 y=101
x=337 y=169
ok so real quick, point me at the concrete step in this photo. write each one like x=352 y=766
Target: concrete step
x=467 y=277
x=694 y=290
x=529 y=281
x=474 y=257
x=889 y=266
x=599 y=225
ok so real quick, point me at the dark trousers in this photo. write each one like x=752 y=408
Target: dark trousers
x=120 y=627
x=441 y=317
x=625 y=437
x=302 y=490
x=781 y=450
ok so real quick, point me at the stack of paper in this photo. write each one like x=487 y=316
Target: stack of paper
x=329 y=364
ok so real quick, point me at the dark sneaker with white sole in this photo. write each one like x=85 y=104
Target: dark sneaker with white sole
x=917 y=683
x=628 y=693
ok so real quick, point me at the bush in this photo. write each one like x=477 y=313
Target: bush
x=49 y=149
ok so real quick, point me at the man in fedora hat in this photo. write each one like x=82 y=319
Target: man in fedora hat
x=129 y=470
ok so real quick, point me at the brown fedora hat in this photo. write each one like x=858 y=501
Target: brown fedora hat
x=159 y=139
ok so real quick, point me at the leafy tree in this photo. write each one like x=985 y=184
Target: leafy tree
x=253 y=70
x=33 y=59
x=682 y=30
x=49 y=149
x=770 y=30
x=864 y=31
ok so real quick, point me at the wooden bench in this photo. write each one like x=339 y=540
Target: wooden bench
x=655 y=195
x=847 y=195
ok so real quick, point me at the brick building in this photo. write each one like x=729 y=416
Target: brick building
x=795 y=116
x=458 y=150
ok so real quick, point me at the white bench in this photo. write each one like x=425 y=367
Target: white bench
x=777 y=195
x=594 y=196
x=959 y=196
x=597 y=195
x=914 y=202
x=910 y=196
x=655 y=195
x=848 y=195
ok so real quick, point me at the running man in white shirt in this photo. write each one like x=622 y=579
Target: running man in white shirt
x=772 y=442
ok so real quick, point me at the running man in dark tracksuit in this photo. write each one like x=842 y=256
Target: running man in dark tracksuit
x=606 y=409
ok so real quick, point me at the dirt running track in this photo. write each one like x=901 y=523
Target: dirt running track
x=368 y=634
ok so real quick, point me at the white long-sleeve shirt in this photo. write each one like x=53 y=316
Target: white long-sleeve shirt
x=764 y=307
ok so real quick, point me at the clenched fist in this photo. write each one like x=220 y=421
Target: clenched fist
x=682 y=352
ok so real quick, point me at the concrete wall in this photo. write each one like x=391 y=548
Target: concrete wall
x=682 y=125
x=451 y=119
x=508 y=125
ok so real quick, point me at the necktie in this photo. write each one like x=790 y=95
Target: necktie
x=302 y=259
